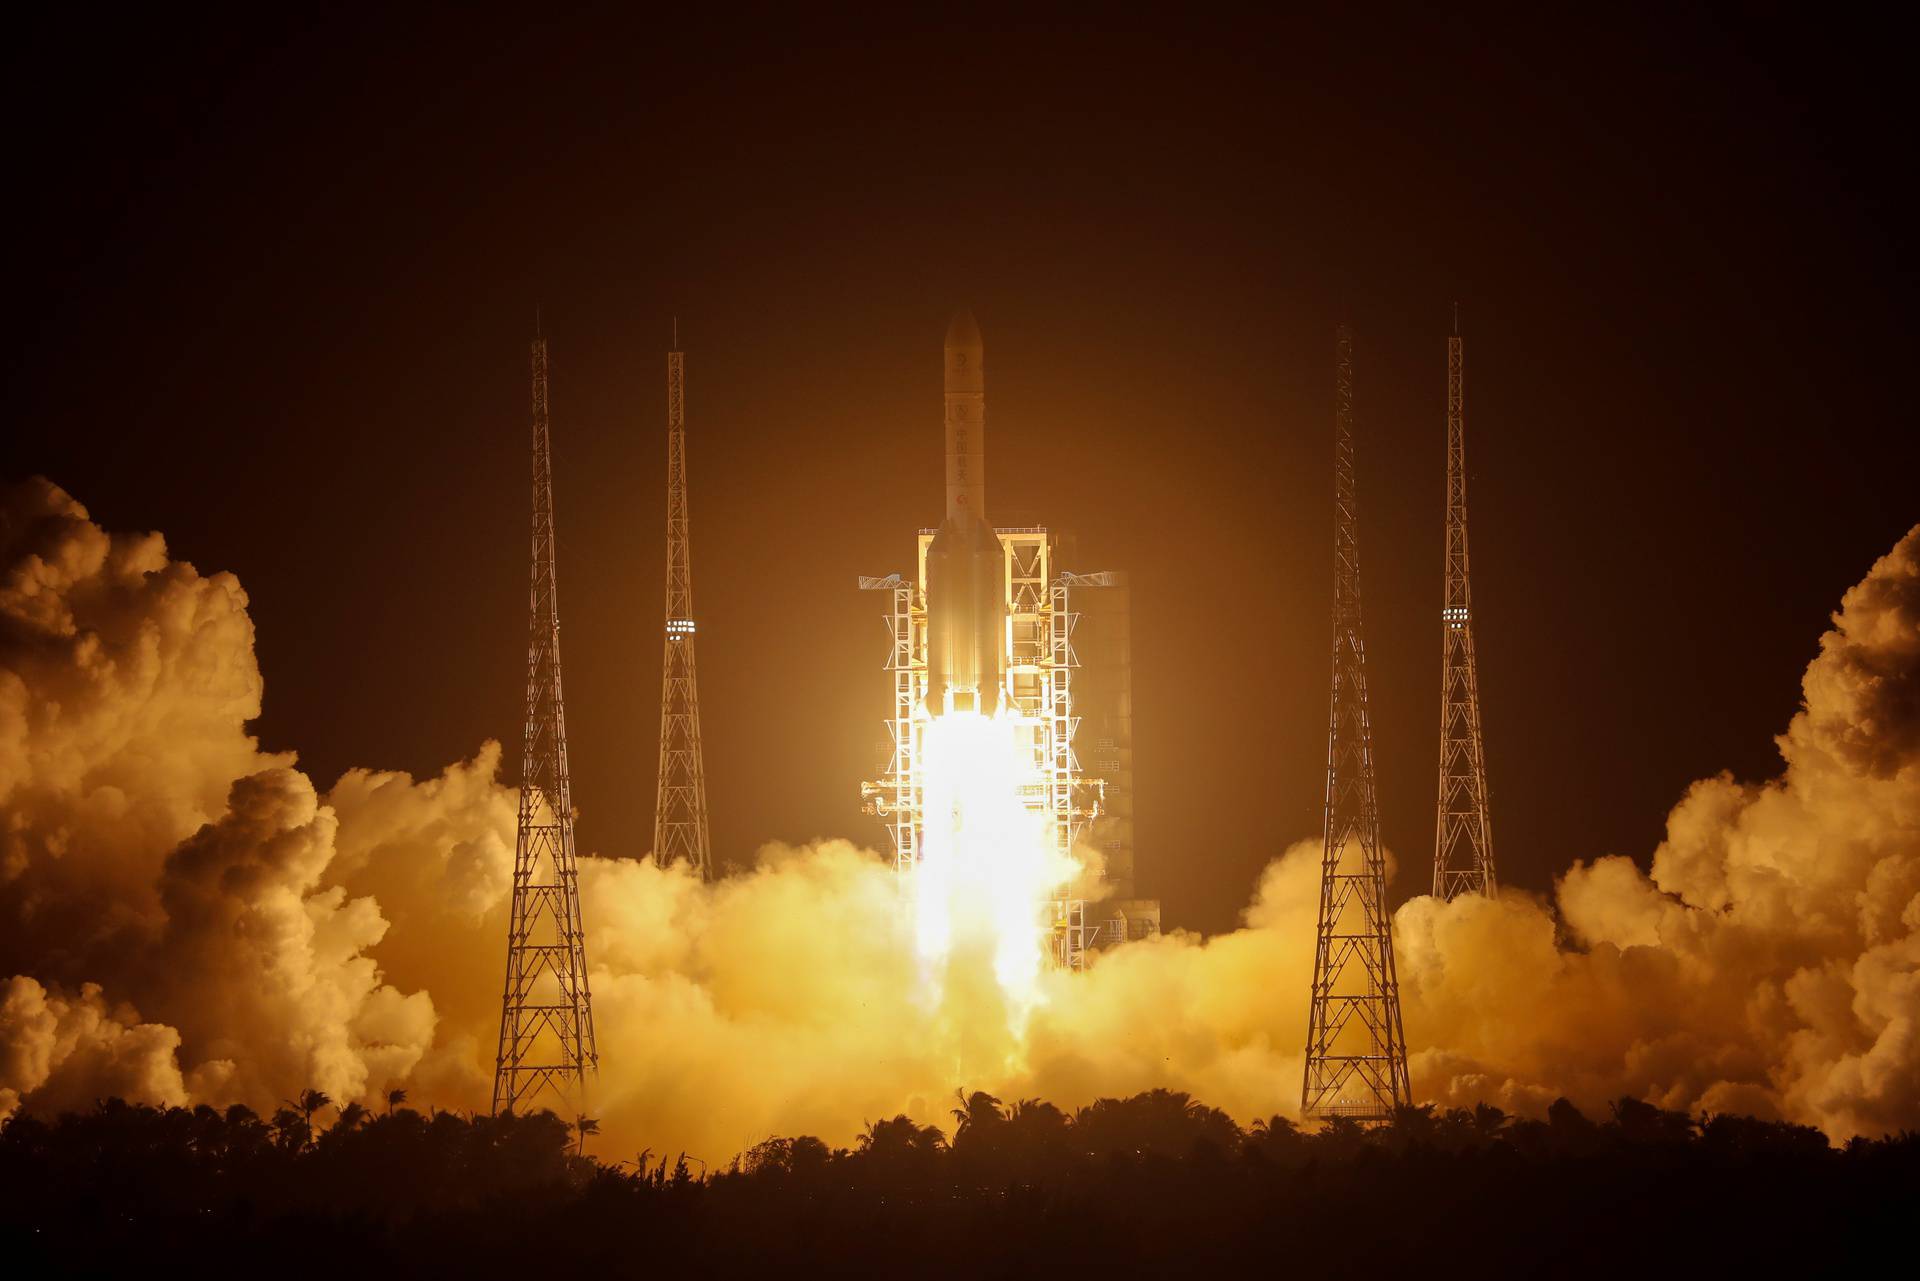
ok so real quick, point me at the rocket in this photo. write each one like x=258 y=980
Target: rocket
x=966 y=566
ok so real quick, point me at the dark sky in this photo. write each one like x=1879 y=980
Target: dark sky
x=273 y=283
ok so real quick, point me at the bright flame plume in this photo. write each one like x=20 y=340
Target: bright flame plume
x=989 y=863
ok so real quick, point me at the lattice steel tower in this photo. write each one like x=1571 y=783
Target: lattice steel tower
x=1462 y=838
x=680 y=807
x=1356 y=1051
x=547 y=1047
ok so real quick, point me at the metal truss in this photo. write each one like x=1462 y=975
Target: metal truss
x=680 y=805
x=895 y=799
x=1075 y=799
x=547 y=1049
x=1356 y=1051
x=1462 y=835
x=1039 y=665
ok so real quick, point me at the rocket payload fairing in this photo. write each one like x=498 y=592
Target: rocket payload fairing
x=966 y=565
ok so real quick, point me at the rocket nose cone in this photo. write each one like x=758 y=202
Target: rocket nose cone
x=962 y=330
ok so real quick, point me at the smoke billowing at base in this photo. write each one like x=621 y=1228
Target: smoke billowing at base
x=185 y=918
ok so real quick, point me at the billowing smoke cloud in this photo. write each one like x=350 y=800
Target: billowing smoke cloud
x=67 y=1052
x=186 y=918
x=163 y=887
x=1771 y=961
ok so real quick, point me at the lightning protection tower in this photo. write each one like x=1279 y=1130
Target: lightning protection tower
x=680 y=806
x=1356 y=1051
x=547 y=1047
x=1462 y=839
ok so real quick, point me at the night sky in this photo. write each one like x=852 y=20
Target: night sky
x=272 y=286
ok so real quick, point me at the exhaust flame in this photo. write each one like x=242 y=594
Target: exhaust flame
x=989 y=863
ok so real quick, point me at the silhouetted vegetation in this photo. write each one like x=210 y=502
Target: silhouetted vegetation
x=1154 y=1183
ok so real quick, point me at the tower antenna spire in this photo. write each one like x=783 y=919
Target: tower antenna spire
x=680 y=806
x=1356 y=1050
x=547 y=1045
x=1462 y=835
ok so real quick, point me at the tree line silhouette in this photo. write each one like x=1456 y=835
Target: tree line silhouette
x=1155 y=1183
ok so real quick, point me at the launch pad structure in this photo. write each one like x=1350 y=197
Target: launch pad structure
x=1040 y=660
x=988 y=626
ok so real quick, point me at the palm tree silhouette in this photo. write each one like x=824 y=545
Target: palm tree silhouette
x=978 y=1118
x=309 y=1102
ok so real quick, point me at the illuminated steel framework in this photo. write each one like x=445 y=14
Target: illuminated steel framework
x=1462 y=836
x=1039 y=662
x=547 y=1050
x=680 y=806
x=1356 y=1051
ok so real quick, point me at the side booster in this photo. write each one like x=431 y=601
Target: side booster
x=966 y=566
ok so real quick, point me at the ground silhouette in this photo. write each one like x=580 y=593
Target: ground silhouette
x=1157 y=1183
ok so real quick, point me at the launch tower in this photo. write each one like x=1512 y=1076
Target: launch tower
x=1462 y=838
x=1039 y=661
x=547 y=1047
x=1356 y=1051
x=680 y=806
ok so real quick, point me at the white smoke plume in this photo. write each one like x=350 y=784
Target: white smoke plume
x=67 y=1052
x=186 y=918
x=1769 y=964
x=163 y=887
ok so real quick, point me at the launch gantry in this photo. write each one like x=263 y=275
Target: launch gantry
x=1039 y=662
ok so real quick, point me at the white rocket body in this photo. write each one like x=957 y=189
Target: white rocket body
x=966 y=565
